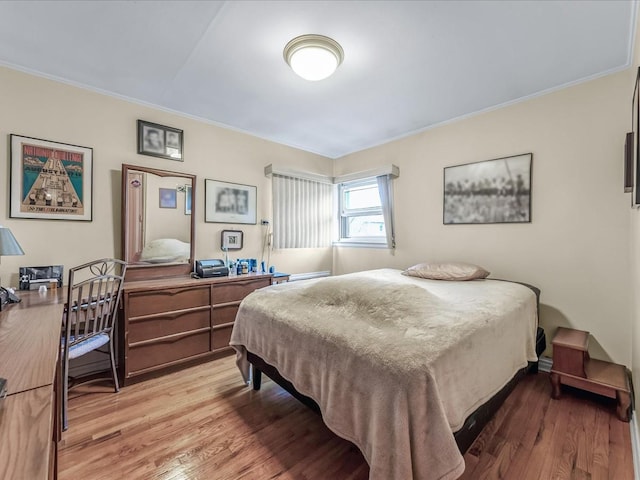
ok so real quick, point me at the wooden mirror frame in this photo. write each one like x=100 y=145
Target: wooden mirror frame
x=153 y=271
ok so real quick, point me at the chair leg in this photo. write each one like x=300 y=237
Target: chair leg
x=113 y=366
x=65 y=393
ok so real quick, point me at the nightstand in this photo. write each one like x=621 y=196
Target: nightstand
x=573 y=366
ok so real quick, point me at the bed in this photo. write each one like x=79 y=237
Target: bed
x=395 y=364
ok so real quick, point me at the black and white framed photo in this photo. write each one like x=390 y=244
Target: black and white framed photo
x=492 y=191
x=160 y=141
x=226 y=202
x=231 y=240
x=50 y=180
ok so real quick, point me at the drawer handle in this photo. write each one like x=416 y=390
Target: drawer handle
x=168 y=315
x=169 y=338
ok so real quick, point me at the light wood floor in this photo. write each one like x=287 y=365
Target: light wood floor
x=203 y=423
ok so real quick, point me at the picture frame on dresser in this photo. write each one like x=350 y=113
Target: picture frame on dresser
x=50 y=180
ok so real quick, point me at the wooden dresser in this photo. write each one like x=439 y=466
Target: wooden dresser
x=174 y=321
x=29 y=353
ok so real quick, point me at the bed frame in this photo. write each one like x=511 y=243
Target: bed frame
x=474 y=422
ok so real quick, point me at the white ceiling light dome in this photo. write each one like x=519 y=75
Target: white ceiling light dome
x=313 y=57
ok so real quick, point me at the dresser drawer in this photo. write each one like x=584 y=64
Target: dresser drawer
x=236 y=291
x=224 y=314
x=170 y=323
x=163 y=351
x=158 y=301
x=220 y=337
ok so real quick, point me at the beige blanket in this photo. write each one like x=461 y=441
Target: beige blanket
x=395 y=363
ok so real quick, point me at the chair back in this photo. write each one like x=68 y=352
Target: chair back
x=94 y=291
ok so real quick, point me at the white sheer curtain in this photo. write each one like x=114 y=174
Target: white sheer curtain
x=385 y=188
x=302 y=212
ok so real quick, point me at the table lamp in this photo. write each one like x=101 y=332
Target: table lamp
x=8 y=244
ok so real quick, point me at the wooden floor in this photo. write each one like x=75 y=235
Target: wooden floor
x=203 y=423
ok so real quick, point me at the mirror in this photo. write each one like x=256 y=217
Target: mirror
x=158 y=222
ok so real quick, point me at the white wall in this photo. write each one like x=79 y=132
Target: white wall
x=42 y=108
x=576 y=249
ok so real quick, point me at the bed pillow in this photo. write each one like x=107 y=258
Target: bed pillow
x=447 y=271
x=166 y=250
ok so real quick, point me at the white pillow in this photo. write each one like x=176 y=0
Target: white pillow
x=447 y=271
x=165 y=250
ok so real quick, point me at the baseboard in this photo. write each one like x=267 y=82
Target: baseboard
x=306 y=276
x=544 y=364
x=635 y=445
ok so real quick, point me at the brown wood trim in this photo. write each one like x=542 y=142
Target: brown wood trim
x=187 y=281
x=222 y=325
x=226 y=304
x=174 y=366
x=168 y=315
x=169 y=338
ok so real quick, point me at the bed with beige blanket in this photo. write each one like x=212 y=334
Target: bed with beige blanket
x=395 y=363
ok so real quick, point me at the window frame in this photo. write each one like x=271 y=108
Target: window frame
x=344 y=214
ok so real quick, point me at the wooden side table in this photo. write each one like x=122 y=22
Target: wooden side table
x=573 y=366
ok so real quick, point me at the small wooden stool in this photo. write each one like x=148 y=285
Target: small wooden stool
x=573 y=366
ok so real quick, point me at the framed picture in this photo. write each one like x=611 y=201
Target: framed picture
x=159 y=141
x=635 y=142
x=493 y=191
x=231 y=240
x=168 y=198
x=187 y=199
x=226 y=202
x=50 y=180
x=628 y=163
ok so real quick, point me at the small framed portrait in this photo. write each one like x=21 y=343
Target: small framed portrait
x=168 y=198
x=231 y=240
x=160 y=141
x=226 y=202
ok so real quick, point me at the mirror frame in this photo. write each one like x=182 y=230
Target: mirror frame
x=153 y=271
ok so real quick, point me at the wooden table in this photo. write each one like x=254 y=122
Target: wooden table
x=573 y=366
x=29 y=351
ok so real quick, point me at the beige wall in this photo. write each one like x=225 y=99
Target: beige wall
x=577 y=247
x=41 y=108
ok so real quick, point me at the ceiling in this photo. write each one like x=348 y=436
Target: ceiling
x=408 y=65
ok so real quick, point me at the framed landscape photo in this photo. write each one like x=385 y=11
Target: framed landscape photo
x=160 y=141
x=493 y=191
x=231 y=240
x=50 y=180
x=226 y=202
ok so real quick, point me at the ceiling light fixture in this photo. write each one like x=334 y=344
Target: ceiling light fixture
x=313 y=57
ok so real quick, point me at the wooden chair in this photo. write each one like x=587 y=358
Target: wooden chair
x=94 y=291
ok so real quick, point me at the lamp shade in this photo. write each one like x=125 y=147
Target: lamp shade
x=8 y=243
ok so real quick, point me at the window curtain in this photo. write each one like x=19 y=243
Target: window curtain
x=302 y=212
x=385 y=188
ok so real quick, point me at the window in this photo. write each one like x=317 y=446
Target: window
x=361 y=214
